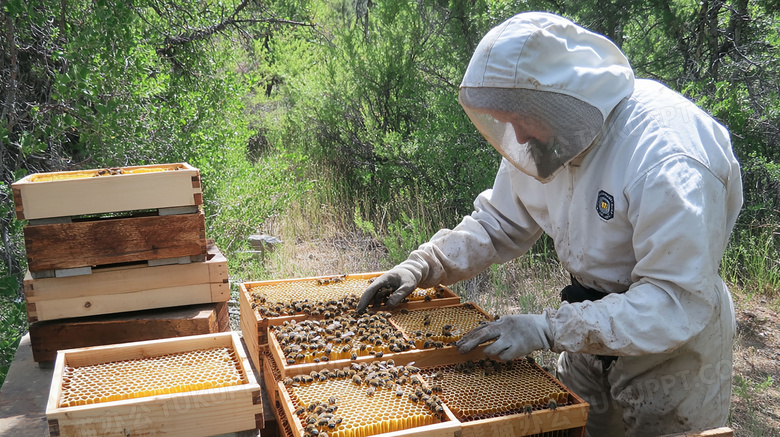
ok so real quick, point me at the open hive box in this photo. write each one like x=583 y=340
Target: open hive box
x=274 y=302
x=74 y=193
x=195 y=386
x=125 y=288
x=422 y=335
x=471 y=398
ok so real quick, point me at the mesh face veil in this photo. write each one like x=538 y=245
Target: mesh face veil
x=537 y=131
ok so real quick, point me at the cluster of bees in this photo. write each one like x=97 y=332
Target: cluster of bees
x=402 y=381
x=304 y=306
x=340 y=337
x=337 y=294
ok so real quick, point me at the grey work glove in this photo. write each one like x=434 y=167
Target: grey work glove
x=396 y=283
x=516 y=336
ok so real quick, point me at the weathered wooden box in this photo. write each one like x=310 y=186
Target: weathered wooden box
x=47 y=337
x=112 y=240
x=255 y=320
x=76 y=193
x=193 y=386
x=128 y=288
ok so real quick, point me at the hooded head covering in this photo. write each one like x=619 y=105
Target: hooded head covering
x=540 y=87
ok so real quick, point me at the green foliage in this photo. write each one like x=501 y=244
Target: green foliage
x=378 y=102
x=13 y=321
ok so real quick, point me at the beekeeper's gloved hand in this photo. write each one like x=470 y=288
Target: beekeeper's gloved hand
x=397 y=283
x=516 y=336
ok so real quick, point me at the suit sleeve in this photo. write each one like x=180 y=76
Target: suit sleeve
x=499 y=229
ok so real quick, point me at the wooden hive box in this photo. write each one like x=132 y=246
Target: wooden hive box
x=254 y=323
x=81 y=244
x=173 y=398
x=47 y=337
x=510 y=411
x=423 y=352
x=380 y=415
x=128 y=288
x=497 y=398
x=75 y=193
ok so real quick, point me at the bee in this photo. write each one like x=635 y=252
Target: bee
x=413 y=398
x=379 y=354
x=353 y=356
x=528 y=408
x=370 y=391
x=552 y=404
x=438 y=344
x=436 y=389
x=357 y=380
x=288 y=381
x=404 y=311
x=299 y=411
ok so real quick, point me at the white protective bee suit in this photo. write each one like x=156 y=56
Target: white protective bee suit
x=641 y=208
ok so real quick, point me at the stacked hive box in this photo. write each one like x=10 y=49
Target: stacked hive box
x=394 y=373
x=198 y=385
x=109 y=249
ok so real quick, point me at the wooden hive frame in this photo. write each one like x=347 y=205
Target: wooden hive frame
x=128 y=288
x=423 y=357
x=254 y=326
x=195 y=413
x=567 y=420
x=41 y=196
x=48 y=337
x=450 y=427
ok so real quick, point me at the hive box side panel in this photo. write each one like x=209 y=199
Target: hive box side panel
x=96 y=195
x=202 y=413
x=48 y=337
x=133 y=301
x=112 y=241
x=250 y=329
x=129 y=278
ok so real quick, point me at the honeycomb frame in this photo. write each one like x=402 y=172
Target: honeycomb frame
x=254 y=326
x=196 y=411
x=416 y=419
x=567 y=417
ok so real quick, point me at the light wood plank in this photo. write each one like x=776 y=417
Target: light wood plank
x=54 y=309
x=103 y=194
x=129 y=278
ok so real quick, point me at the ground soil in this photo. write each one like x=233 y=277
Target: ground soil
x=756 y=397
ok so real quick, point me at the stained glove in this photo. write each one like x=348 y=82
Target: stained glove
x=397 y=283
x=516 y=336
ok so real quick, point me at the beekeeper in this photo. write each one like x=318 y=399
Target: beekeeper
x=638 y=188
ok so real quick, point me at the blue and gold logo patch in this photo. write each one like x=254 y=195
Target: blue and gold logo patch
x=605 y=205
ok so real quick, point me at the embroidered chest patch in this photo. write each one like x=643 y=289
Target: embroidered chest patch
x=605 y=205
